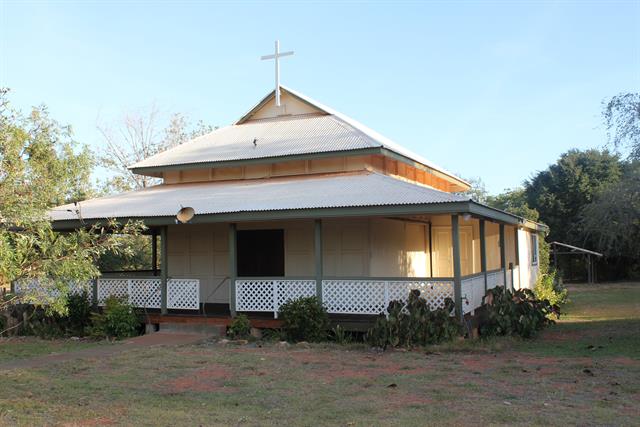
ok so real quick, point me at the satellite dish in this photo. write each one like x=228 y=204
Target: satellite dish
x=185 y=215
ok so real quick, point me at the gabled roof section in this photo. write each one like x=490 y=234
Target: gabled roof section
x=265 y=134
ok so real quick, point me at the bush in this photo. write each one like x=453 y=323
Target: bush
x=79 y=313
x=341 y=336
x=273 y=335
x=117 y=320
x=518 y=313
x=304 y=319
x=414 y=324
x=549 y=287
x=240 y=327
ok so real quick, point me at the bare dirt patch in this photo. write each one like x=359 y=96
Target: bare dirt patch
x=209 y=379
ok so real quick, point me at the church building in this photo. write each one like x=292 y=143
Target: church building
x=296 y=199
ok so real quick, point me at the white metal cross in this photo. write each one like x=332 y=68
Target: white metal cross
x=276 y=56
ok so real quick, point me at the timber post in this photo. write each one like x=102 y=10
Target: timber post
x=457 y=269
x=94 y=293
x=483 y=253
x=503 y=255
x=233 y=268
x=317 y=240
x=154 y=251
x=164 y=270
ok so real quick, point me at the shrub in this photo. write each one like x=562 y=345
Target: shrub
x=341 y=336
x=273 y=335
x=240 y=327
x=304 y=319
x=117 y=320
x=45 y=323
x=414 y=324
x=36 y=321
x=518 y=313
x=549 y=287
x=79 y=313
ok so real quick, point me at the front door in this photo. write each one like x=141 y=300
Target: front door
x=260 y=253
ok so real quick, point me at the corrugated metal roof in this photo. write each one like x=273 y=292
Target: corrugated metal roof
x=283 y=136
x=274 y=137
x=274 y=194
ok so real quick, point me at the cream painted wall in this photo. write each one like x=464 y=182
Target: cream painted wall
x=289 y=105
x=528 y=270
x=377 y=247
x=305 y=167
x=510 y=244
x=346 y=247
x=398 y=249
x=492 y=231
x=201 y=252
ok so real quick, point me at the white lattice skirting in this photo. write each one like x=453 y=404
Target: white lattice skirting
x=472 y=293
x=495 y=278
x=338 y=296
x=269 y=295
x=373 y=296
x=182 y=294
x=513 y=278
x=47 y=289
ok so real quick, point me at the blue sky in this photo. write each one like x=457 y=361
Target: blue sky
x=491 y=89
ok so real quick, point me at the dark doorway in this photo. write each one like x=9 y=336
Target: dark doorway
x=260 y=253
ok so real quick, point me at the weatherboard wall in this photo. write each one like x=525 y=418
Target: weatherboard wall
x=301 y=168
x=358 y=247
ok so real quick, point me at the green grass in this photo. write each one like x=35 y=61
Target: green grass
x=27 y=347
x=502 y=381
x=600 y=320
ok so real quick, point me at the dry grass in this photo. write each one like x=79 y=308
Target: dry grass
x=556 y=379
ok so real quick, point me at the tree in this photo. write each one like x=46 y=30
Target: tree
x=135 y=137
x=561 y=192
x=477 y=192
x=621 y=115
x=138 y=136
x=41 y=166
x=514 y=201
x=612 y=221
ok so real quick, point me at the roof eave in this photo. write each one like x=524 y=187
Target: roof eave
x=156 y=171
x=460 y=207
x=258 y=160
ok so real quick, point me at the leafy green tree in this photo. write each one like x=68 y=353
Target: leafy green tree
x=137 y=258
x=612 y=221
x=561 y=192
x=621 y=115
x=478 y=191
x=514 y=201
x=41 y=166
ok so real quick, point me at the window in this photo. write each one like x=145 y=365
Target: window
x=260 y=253
x=534 y=249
